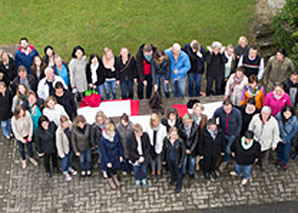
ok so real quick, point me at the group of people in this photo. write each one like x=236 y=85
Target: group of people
x=38 y=104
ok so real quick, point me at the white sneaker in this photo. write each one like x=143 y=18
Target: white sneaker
x=67 y=177
x=33 y=161
x=73 y=172
x=124 y=173
x=244 y=181
x=24 y=164
x=233 y=173
x=105 y=175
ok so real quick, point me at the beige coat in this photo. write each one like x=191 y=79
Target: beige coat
x=62 y=142
x=22 y=127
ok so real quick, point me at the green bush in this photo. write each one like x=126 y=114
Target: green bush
x=285 y=27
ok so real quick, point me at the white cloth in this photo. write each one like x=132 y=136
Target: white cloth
x=93 y=72
x=161 y=134
x=43 y=89
x=55 y=114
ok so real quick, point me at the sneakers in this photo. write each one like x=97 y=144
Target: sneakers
x=206 y=176
x=144 y=182
x=124 y=173
x=89 y=173
x=278 y=164
x=244 y=181
x=67 y=177
x=72 y=171
x=105 y=175
x=33 y=161
x=24 y=164
x=222 y=166
x=138 y=184
x=83 y=173
x=233 y=173
x=214 y=175
x=285 y=167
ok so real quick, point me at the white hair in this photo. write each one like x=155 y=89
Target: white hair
x=47 y=70
x=176 y=46
x=216 y=45
x=266 y=109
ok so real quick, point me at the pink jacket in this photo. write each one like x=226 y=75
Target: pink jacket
x=277 y=105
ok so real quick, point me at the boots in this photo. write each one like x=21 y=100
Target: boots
x=24 y=164
x=111 y=183
x=116 y=181
x=33 y=161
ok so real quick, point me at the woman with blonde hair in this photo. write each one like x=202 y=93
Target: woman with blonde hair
x=8 y=67
x=53 y=110
x=174 y=154
x=112 y=155
x=157 y=132
x=21 y=96
x=109 y=67
x=241 y=49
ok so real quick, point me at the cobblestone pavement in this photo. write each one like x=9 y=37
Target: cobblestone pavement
x=31 y=191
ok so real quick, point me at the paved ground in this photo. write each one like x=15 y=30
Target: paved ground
x=31 y=191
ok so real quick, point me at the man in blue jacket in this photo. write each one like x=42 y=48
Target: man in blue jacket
x=230 y=121
x=180 y=65
x=25 y=54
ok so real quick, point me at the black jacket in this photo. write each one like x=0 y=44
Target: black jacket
x=126 y=71
x=190 y=142
x=164 y=121
x=211 y=147
x=5 y=105
x=99 y=72
x=132 y=148
x=246 y=157
x=216 y=64
x=141 y=61
x=197 y=63
x=163 y=68
x=10 y=71
x=179 y=150
x=46 y=139
x=289 y=85
x=31 y=81
x=246 y=118
x=108 y=73
x=67 y=101
x=95 y=135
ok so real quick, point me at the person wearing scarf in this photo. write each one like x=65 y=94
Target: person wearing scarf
x=235 y=86
x=277 y=99
x=246 y=151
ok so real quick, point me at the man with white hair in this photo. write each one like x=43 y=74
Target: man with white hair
x=266 y=132
x=180 y=65
x=216 y=61
x=47 y=84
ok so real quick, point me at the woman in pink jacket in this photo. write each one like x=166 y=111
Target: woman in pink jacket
x=277 y=99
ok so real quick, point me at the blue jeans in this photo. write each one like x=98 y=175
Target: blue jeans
x=100 y=90
x=178 y=86
x=125 y=165
x=126 y=86
x=162 y=78
x=247 y=169
x=22 y=149
x=191 y=164
x=6 y=127
x=284 y=152
x=85 y=160
x=66 y=162
x=229 y=141
x=194 y=80
x=136 y=171
x=176 y=174
x=110 y=86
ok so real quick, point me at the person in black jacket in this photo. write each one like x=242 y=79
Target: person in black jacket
x=174 y=154
x=211 y=146
x=290 y=86
x=138 y=150
x=189 y=133
x=126 y=75
x=66 y=99
x=246 y=151
x=216 y=61
x=5 y=110
x=247 y=112
x=172 y=119
x=8 y=68
x=45 y=140
x=95 y=75
x=197 y=54
x=25 y=78
x=144 y=59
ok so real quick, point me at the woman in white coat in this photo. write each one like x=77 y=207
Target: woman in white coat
x=157 y=132
x=53 y=110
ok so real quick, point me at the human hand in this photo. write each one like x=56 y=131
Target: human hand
x=175 y=71
x=145 y=83
x=166 y=81
x=109 y=165
x=121 y=159
x=222 y=153
x=118 y=82
x=78 y=154
x=188 y=151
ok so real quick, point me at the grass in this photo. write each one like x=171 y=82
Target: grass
x=95 y=24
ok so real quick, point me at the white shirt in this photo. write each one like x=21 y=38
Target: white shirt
x=93 y=72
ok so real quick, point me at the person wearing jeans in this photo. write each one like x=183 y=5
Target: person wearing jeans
x=138 y=148
x=5 y=110
x=81 y=144
x=178 y=86
x=246 y=151
x=288 y=126
x=110 y=87
x=194 y=79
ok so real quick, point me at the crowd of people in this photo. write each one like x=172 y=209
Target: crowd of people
x=38 y=99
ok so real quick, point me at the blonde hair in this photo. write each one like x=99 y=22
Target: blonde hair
x=18 y=92
x=48 y=100
x=100 y=113
x=137 y=127
x=172 y=129
x=187 y=117
x=154 y=117
x=63 y=119
x=105 y=51
x=198 y=105
x=242 y=39
x=110 y=127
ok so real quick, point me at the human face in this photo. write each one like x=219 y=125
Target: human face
x=139 y=133
x=94 y=60
x=239 y=74
x=248 y=141
x=124 y=123
x=188 y=123
x=176 y=52
x=22 y=89
x=278 y=90
x=65 y=124
x=294 y=78
x=31 y=99
x=212 y=127
x=287 y=114
x=251 y=107
x=45 y=125
x=79 y=54
x=148 y=53
x=21 y=113
x=4 y=56
x=279 y=57
x=23 y=75
x=124 y=52
x=37 y=61
x=228 y=108
x=253 y=53
x=59 y=91
x=110 y=132
x=50 y=75
x=155 y=123
x=265 y=115
x=230 y=51
x=253 y=84
x=2 y=89
x=51 y=104
x=49 y=52
x=58 y=61
x=172 y=117
x=24 y=44
x=243 y=44
x=198 y=111
x=109 y=55
x=81 y=125
x=99 y=120
x=174 y=135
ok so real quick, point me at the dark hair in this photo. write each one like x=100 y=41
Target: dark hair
x=41 y=119
x=42 y=68
x=23 y=38
x=252 y=79
x=172 y=111
x=227 y=102
x=93 y=56
x=73 y=55
x=285 y=109
x=124 y=117
x=241 y=69
x=48 y=47
x=253 y=48
x=159 y=53
x=17 y=111
x=147 y=48
x=22 y=69
x=282 y=51
x=277 y=84
x=59 y=85
x=251 y=101
x=249 y=134
x=294 y=72
x=211 y=121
